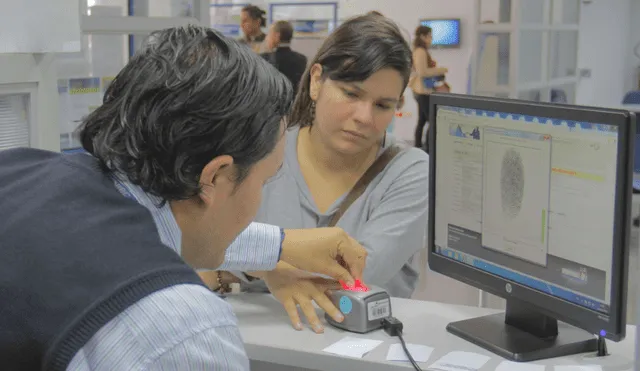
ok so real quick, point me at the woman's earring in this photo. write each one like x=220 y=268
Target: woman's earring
x=312 y=111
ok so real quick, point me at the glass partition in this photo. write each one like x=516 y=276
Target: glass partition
x=565 y=12
x=563 y=54
x=531 y=58
x=146 y=8
x=495 y=11
x=532 y=12
x=493 y=61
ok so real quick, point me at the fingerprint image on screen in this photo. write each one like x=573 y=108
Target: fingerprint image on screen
x=515 y=194
x=512 y=183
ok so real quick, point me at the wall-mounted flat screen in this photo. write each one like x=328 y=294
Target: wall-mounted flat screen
x=445 y=32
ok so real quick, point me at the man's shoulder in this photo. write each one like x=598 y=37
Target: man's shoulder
x=26 y=151
x=155 y=324
x=180 y=303
x=300 y=56
x=26 y=157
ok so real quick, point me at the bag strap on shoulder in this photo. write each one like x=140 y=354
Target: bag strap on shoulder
x=361 y=185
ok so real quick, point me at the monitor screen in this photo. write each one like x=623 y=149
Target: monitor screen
x=445 y=32
x=514 y=194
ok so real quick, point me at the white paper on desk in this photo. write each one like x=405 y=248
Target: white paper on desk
x=578 y=368
x=460 y=361
x=518 y=366
x=420 y=353
x=352 y=347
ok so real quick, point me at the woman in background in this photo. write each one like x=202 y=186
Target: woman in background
x=252 y=20
x=347 y=98
x=424 y=67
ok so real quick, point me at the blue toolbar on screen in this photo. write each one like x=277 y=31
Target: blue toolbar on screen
x=445 y=32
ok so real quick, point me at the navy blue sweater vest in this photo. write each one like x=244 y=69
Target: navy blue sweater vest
x=74 y=253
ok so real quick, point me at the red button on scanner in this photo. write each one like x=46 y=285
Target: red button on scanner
x=358 y=286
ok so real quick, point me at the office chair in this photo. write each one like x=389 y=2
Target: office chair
x=632 y=97
x=558 y=96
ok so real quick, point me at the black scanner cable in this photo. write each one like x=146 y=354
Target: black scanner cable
x=393 y=327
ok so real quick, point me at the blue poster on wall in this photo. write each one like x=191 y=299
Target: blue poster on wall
x=312 y=28
x=229 y=30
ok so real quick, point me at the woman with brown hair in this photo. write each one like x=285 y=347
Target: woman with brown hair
x=347 y=98
x=424 y=68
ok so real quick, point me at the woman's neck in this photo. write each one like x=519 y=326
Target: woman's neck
x=325 y=159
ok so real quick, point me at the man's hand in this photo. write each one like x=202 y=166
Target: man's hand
x=294 y=288
x=328 y=251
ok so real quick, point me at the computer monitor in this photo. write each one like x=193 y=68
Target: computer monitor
x=531 y=202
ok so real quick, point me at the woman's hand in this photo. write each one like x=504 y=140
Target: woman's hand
x=328 y=251
x=294 y=288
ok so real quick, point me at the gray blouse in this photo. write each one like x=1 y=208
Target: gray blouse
x=389 y=219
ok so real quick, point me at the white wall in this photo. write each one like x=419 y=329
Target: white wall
x=634 y=39
x=605 y=48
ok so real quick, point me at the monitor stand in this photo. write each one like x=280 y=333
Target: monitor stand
x=522 y=334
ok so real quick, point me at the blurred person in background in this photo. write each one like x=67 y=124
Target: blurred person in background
x=426 y=78
x=289 y=62
x=252 y=20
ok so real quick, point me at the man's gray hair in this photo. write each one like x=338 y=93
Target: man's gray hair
x=189 y=95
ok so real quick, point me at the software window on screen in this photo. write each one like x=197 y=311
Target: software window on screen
x=514 y=194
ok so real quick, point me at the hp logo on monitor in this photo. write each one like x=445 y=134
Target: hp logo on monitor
x=508 y=288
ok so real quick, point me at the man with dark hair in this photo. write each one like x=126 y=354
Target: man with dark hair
x=292 y=64
x=91 y=273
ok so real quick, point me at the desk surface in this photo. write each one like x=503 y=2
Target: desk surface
x=269 y=337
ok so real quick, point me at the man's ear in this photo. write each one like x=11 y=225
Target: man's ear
x=216 y=176
x=400 y=103
x=315 y=75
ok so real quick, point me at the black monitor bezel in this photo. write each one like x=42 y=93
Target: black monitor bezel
x=589 y=320
x=446 y=46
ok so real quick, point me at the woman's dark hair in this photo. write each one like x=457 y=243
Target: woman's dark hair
x=417 y=40
x=256 y=13
x=186 y=97
x=357 y=49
